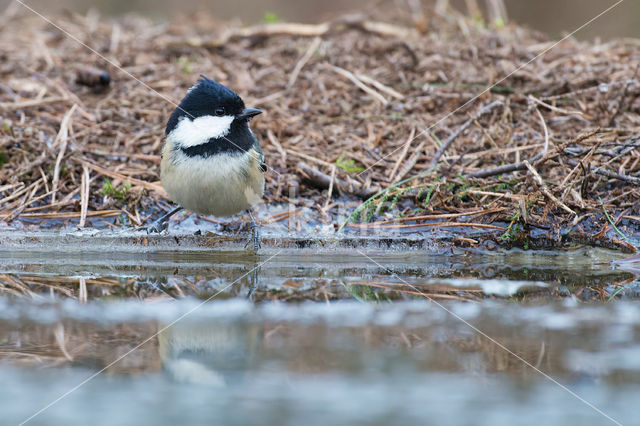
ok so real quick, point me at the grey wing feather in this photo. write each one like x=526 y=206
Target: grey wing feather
x=263 y=165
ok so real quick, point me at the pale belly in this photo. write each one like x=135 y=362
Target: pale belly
x=221 y=186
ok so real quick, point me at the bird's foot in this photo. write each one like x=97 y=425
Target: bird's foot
x=154 y=228
x=161 y=224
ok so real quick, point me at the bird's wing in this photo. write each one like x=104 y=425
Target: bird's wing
x=261 y=162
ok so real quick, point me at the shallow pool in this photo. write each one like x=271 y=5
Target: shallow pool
x=318 y=337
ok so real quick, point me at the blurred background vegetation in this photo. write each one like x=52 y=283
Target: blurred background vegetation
x=554 y=17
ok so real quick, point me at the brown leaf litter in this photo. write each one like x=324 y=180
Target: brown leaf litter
x=434 y=113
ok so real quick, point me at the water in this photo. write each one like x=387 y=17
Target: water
x=231 y=362
x=152 y=334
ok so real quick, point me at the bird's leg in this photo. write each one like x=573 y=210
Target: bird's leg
x=160 y=224
x=254 y=282
x=255 y=234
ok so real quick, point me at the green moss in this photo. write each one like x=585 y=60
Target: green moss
x=111 y=191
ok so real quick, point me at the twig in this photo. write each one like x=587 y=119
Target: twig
x=25 y=202
x=351 y=76
x=454 y=136
x=507 y=168
x=302 y=62
x=62 y=138
x=281 y=216
x=375 y=83
x=623 y=97
x=309 y=158
x=435 y=216
x=147 y=185
x=434 y=225
x=132 y=217
x=8 y=106
x=330 y=191
x=266 y=30
x=283 y=154
x=323 y=181
x=293 y=29
x=82 y=290
x=84 y=196
x=553 y=108
x=546 y=132
x=411 y=162
x=68 y=215
x=545 y=190
x=608 y=173
x=496 y=194
x=403 y=154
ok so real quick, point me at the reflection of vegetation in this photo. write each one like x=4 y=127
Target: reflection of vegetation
x=365 y=294
x=375 y=291
x=622 y=288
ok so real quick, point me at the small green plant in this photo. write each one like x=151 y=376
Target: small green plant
x=612 y=223
x=427 y=198
x=347 y=165
x=270 y=18
x=500 y=187
x=479 y=21
x=119 y=193
x=462 y=191
x=4 y=158
x=186 y=65
x=514 y=228
x=385 y=193
x=6 y=128
x=499 y=23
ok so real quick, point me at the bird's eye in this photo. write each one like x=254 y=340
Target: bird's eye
x=219 y=111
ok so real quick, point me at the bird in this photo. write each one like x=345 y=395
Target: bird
x=212 y=163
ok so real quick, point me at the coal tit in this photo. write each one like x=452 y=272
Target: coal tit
x=212 y=162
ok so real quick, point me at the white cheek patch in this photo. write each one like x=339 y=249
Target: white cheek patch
x=198 y=131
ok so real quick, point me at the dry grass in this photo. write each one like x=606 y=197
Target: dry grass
x=355 y=105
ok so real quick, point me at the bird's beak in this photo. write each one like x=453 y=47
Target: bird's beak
x=247 y=113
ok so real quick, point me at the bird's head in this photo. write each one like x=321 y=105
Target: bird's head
x=208 y=111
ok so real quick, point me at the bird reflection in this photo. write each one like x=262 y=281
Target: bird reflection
x=208 y=353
